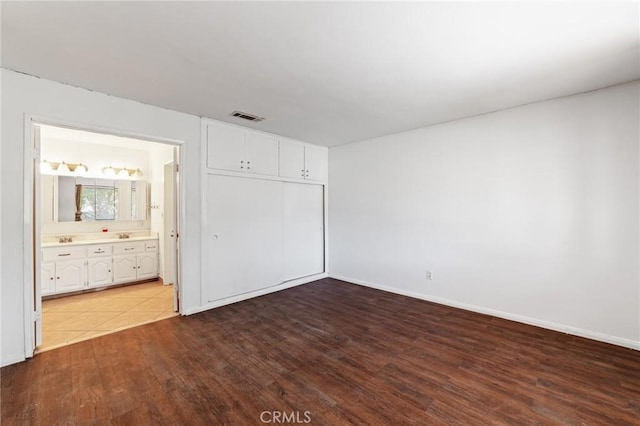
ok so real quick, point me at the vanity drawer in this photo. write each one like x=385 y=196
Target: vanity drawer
x=151 y=245
x=99 y=250
x=52 y=254
x=128 y=248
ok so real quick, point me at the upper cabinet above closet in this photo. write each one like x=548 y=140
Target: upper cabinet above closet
x=235 y=149
x=302 y=161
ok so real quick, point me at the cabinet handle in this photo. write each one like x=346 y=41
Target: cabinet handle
x=64 y=254
x=130 y=248
x=98 y=252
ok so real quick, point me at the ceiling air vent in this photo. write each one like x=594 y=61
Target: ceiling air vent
x=246 y=116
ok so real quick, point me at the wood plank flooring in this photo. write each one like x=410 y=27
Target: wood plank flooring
x=343 y=353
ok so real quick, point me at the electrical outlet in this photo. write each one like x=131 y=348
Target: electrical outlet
x=429 y=275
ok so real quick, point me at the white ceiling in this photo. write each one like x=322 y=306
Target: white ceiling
x=327 y=73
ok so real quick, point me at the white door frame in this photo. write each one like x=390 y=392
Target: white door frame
x=32 y=228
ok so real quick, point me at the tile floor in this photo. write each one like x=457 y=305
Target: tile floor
x=72 y=319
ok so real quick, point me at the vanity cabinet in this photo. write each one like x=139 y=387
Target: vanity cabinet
x=73 y=268
x=62 y=276
x=135 y=261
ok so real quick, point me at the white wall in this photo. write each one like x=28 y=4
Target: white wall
x=22 y=95
x=96 y=156
x=530 y=213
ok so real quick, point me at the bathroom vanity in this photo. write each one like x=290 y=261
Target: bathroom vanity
x=93 y=261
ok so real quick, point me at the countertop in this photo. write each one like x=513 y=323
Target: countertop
x=81 y=242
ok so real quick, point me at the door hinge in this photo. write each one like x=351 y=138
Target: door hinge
x=37 y=316
x=177 y=168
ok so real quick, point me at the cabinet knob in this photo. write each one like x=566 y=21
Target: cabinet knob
x=241 y=162
x=109 y=270
x=248 y=162
x=57 y=278
x=307 y=171
x=51 y=278
x=134 y=267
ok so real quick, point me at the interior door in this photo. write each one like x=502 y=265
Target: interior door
x=170 y=245
x=303 y=230
x=244 y=235
x=37 y=253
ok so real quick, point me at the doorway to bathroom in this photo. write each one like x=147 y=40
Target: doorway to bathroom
x=105 y=233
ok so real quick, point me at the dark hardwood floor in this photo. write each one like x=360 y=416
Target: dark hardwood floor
x=342 y=353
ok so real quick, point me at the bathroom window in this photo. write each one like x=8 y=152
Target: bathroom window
x=99 y=203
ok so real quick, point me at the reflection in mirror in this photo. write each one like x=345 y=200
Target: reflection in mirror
x=93 y=200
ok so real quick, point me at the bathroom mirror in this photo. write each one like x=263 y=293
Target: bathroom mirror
x=80 y=199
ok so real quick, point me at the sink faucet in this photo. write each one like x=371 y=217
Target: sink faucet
x=65 y=239
x=124 y=235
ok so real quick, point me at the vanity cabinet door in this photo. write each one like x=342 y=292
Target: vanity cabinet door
x=99 y=272
x=70 y=275
x=124 y=268
x=48 y=278
x=147 y=266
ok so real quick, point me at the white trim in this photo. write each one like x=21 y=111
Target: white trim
x=28 y=249
x=261 y=292
x=13 y=359
x=28 y=238
x=593 y=335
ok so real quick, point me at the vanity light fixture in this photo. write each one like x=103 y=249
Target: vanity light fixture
x=63 y=167
x=76 y=167
x=121 y=171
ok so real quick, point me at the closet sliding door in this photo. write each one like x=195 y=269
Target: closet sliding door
x=303 y=230
x=244 y=234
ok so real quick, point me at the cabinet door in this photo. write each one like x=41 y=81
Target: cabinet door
x=147 y=266
x=99 y=272
x=124 y=268
x=48 y=278
x=261 y=154
x=244 y=235
x=225 y=147
x=303 y=230
x=315 y=162
x=70 y=275
x=291 y=160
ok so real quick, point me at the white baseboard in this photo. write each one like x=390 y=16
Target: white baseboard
x=593 y=335
x=13 y=359
x=261 y=292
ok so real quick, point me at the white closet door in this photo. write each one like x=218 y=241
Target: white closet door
x=303 y=230
x=244 y=221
